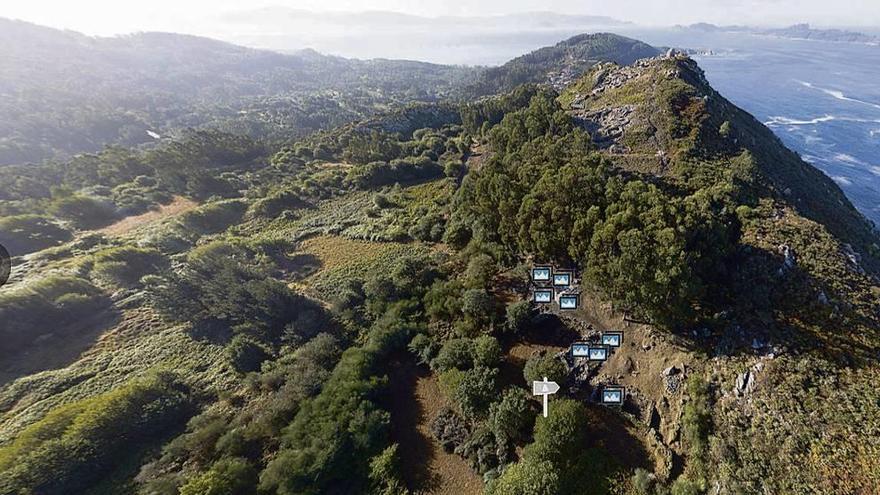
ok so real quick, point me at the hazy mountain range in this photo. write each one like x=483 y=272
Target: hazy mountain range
x=796 y=31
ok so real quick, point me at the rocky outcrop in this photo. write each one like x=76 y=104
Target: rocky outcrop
x=789 y=260
x=747 y=380
x=606 y=126
x=663 y=455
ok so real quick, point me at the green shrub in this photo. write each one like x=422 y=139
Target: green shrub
x=124 y=266
x=377 y=174
x=228 y=476
x=449 y=381
x=486 y=351
x=696 y=423
x=481 y=449
x=476 y=391
x=545 y=365
x=453 y=168
x=335 y=435
x=272 y=205
x=424 y=348
x=457 y=235
x=246 y=354
x=385 y=473
x=512 y=417
x=479 y=271
x=46 y=306
x=213 y=217
x=560 y=446
x=478 y=305
x=518 y=316
x=23 y=234
x=83 y=212
x=684 y=486
x=226 y=283
x=527 y=478
x=643 y=482
x=79 y=443
x=455 y=354
x=443 y=300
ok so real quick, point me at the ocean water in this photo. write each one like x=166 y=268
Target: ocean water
x=821 y=98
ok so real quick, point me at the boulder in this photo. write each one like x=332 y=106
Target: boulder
x=672 y=370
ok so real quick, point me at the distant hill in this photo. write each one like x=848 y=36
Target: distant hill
x=562 y=63
x=796 y=31
x=64 y=92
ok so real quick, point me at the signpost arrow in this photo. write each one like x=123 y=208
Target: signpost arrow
x=545 y=388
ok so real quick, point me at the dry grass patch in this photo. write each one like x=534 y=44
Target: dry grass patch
x=177 y=206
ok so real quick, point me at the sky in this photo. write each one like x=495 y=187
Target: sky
x=107 y=17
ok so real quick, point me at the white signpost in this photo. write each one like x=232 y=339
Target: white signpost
x=545 y=388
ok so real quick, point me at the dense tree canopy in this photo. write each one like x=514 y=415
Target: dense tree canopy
x=546 y=192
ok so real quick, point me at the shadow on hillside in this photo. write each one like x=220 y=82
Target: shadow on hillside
x=548 y=334
x=773 y=306
x=61 y=348
x=426 y=467
x=548 y=329
x=299 y=266
x=613 y=433
x=407 y=413
x=211 y=331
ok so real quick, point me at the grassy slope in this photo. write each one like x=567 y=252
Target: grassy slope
x=136 y=341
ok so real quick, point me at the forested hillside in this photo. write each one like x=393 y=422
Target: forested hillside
x=65 y=93
x=349 y=311
x=560 y=64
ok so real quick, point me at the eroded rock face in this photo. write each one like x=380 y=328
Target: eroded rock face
x=607 y=126
x=672 y=370
x=661 y=453
x=789 y=259
x=854 y=259
x=747 y=380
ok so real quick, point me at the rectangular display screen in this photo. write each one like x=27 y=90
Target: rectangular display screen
x=541 y=274
x=543 y=296
x=612 y=396
x=568 y=302
x=611 y=339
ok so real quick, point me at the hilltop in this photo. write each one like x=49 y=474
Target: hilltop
x=560 y=64
x=660 y=116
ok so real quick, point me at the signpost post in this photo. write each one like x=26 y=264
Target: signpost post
x=545 y=388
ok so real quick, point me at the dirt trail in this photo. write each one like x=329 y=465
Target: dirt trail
x=177 y=206
x=427 y=468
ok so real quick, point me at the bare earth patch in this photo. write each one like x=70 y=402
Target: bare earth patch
x=177 y=206
x=427 y=468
